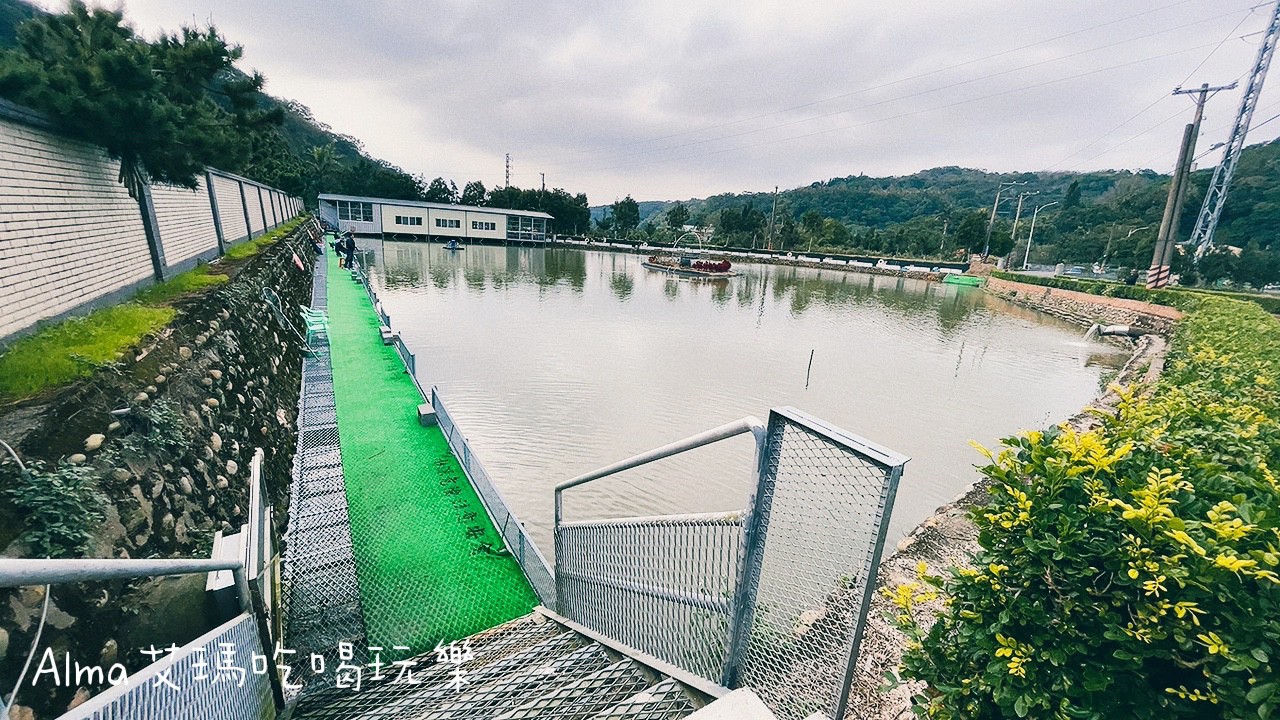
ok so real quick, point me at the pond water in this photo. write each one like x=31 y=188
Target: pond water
x=555 y=362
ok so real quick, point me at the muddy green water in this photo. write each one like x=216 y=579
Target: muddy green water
x=555 y=362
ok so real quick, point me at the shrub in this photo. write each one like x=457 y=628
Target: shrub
x=1130 y=571
x=1185 y=299
x=59 y=505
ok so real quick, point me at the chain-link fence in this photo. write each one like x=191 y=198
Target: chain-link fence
x=513 y=532
x=674 y=575
x=774 y=599
x=213 y=676
x=820 y=516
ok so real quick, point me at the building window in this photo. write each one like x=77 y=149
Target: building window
x=447 y=223
x=482 y=225
x=408 y=220
x=355 y=211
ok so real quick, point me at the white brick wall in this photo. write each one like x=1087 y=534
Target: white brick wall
x=69 y=232
x=185 y=219
x=253 y=200
x=230 y=209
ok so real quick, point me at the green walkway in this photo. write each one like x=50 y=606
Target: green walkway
x=424 y=547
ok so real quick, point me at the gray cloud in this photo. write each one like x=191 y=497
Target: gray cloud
x=682 y=98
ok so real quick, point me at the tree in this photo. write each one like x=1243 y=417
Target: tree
x=152 y=106
x=1256 y=268
x=677 y=216
x=626 y=214
x=473 y=193
x=1217 y=264
x=1072 y=198
x=811 y=223
x=442 y=192
x=971 y=232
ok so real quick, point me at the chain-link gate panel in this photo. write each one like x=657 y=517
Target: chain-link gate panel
x=662 y=585
x=819 y=523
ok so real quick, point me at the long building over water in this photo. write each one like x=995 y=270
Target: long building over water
x=428 y=220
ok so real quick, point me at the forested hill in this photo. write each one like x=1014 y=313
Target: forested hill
x=298 y=153
x=862 y=202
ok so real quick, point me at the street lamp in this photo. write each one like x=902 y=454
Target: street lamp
x=1027 y=259
x=986 y=246
x=1106 y=254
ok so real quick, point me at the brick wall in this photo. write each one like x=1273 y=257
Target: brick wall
x=230 y=209
x=253 y=200
x=185 y=219
x=71 y=238
x=69 y=232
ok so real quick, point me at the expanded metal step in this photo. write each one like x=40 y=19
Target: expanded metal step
x=583 y=698
x=666 y=700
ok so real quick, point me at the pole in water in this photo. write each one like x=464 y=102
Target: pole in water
x=808 y=372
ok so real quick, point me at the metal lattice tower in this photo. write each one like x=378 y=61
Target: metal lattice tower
x=1216 y=197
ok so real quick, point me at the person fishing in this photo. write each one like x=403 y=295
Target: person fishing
x=351 y=250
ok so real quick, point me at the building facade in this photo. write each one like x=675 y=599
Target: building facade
x=429 y=221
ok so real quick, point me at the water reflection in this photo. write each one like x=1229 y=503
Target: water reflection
x=557 y=361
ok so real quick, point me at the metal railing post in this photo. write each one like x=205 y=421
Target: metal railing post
x=754 y=531
x=886 y=510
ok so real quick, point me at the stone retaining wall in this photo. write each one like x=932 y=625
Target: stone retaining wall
x=172 y=468
x=1085 y=308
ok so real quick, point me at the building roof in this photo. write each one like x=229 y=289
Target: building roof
x=437 y=206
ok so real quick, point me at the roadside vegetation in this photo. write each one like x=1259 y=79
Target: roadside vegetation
x=63 y=352
x=1179 y=297
x=1129 y=571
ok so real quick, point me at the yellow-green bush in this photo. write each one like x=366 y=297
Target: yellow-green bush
x=1132 y=571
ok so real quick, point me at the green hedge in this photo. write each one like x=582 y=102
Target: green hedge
x=1131 y=571
x=1181 y=298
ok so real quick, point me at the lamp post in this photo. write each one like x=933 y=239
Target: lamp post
x=986 y=246
x=1106 y=254
x=1027 y=259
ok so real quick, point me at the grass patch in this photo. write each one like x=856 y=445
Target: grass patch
x=74 y=348
x=193 y=280
x=252 y=247
x=1185 y=299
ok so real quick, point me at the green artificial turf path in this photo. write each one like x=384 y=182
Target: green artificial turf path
x=428 y=558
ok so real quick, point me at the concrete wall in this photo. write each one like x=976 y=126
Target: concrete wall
x=71 y=237
x=185 y=219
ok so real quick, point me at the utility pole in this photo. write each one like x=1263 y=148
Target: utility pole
x=1027 y=259
x=772 y=215
x=1018 y=215
x=986 y=246
x=1216 y=196
x=508 y=170
x=542 y=197
x=1167 y=237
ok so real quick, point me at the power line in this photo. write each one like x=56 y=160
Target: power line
x=1157 y=101
x=903 y=115
x=899 y=81
x=949 y=86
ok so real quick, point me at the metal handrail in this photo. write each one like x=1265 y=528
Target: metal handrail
x=19 y=572
x=748 y=424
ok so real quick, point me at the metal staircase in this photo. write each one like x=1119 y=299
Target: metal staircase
x=536 y=666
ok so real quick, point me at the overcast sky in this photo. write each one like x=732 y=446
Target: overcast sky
x=671 y=99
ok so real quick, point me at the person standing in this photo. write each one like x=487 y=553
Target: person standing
x=351 y=250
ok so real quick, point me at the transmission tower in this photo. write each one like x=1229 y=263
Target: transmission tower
x=508 y=170
x=1216 y=197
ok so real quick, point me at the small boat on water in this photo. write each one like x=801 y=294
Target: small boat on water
x=453 y=245
x=690 y=266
